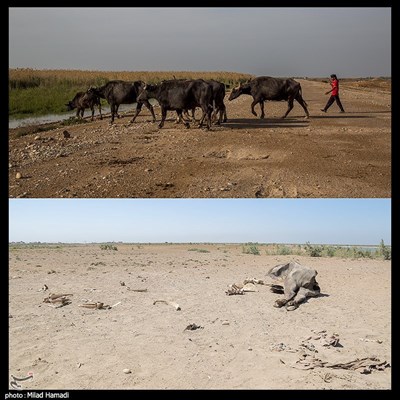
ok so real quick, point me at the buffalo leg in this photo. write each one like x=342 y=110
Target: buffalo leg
x=163 y=116
x=101 y=117
x=290 y=106
x=301 y=101
x=150 y=107
x=92 y=109
x=253 y=104
x=180 y=118
x=224 y=117
x=116 y=111
x=300 y=297
x=290 y=291
x=139 y=105
x=262 y=109
x=113 y=111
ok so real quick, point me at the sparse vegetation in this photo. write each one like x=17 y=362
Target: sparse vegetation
x=108 y=247
x=199 y=250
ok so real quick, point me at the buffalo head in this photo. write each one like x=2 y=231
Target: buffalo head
x=236 y=92
x=70 y=106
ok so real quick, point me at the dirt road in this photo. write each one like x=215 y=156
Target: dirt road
x=329 y=155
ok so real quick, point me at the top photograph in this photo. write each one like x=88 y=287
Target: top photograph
x=200 y=102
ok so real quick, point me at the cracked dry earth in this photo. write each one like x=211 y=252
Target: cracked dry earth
x=330 y=155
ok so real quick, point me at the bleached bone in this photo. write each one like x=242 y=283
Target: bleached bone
x=98 y=305
x=171 y=303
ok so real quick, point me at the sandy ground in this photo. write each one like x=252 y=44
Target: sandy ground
x=330 y=155
x=237 y=347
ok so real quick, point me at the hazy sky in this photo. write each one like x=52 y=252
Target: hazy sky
x=314 y=42
x=335 y=221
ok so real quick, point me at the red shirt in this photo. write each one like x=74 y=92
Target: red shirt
x=335 y=87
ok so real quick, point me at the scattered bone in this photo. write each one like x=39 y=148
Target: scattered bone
x=254 y=281
x=53 y=296
x=365 y=365
x=371 y=340
x=225 y=322
x=249 y=287
x=171 y=303
x=126 y=371
x=281 y=347
x=193 y=327
x=44 y=288
x=64 y=301
x=324 y=339
x=327 y=377
x=234 y=289
x=98 y=306
x=136 y=290
x=57 y=298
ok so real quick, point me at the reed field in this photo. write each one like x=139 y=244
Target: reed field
x=40 y=92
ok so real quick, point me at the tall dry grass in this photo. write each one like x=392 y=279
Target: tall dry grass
x=39 y=92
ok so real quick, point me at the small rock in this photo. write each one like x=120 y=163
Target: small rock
x=66 y=134
x=18 y=175
x=127 y=371
x=37 y=137
x=250 y=349
x=225 y=323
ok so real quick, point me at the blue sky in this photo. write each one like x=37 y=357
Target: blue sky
x=290 y=41
x=335 y=221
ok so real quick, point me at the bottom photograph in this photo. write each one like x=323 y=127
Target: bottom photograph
x=199 y=294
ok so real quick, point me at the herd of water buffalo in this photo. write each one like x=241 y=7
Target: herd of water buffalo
x=182 y=95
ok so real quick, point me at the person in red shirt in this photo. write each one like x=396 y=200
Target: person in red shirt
x=334 y=94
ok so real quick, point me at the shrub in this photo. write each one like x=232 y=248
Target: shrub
x=251 y=249
x=284 y=250
x=108 y=247
x=386 y=251
x=313 y=250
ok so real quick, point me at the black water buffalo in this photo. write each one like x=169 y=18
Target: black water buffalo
x=181 y=95
x=265 y=88
x=218 y=98
x=83 y=100
x=121 y=92
x=299 y=283
x=218 y=89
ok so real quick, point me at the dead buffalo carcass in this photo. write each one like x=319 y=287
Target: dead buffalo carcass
x=299 y=283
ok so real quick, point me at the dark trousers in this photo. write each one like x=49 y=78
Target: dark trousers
x=331 y=100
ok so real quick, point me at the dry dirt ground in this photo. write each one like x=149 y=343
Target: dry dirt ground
x=242 y=342
x=329 y=155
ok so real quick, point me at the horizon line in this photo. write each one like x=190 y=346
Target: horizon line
x=192 y=243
